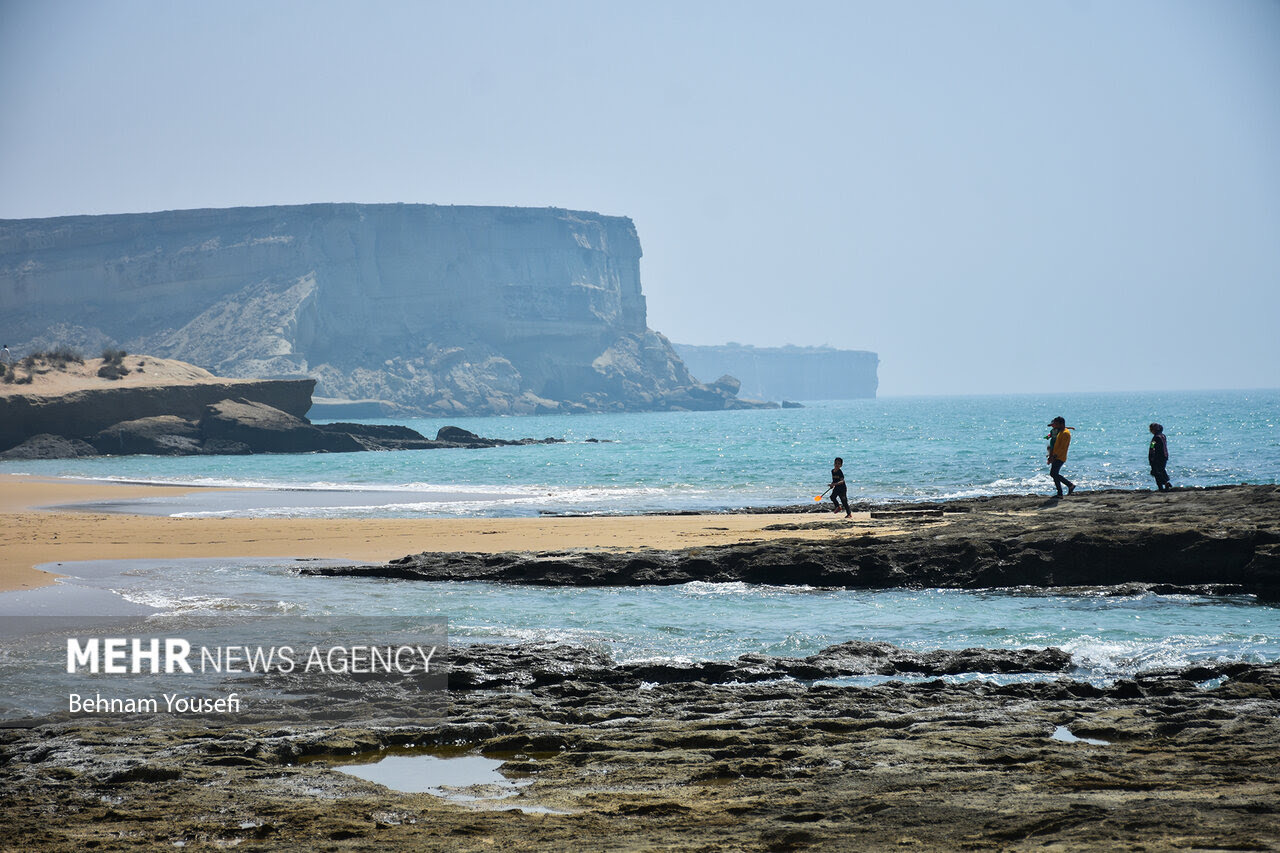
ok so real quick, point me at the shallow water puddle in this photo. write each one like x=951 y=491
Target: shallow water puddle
x=470 y=779
x=443 y=777
x=1062 y=733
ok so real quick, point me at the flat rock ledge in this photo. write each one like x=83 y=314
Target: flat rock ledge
x=1220 y=540
x=526 y=666
x=619 y=764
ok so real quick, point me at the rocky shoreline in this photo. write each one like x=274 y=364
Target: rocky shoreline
x=629 y=763
x=1216 y=540
x=200 y=417
x=860 y=746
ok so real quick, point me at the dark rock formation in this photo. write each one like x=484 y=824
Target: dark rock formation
x=787 y=373
x=268 y=430
x=439 y=310
x=198 y=417
x=1223 y=539
x=489 y=667
x=163 y=435
x=46 y=446
x=85 y=414
x=223 y=426
x=380 y=437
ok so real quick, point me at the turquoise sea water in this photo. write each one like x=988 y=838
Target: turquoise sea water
x=895 y=448
x=905 y=448
x=265 y=602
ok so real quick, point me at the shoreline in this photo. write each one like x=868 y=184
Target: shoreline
x=760 y=752
x=42 y=530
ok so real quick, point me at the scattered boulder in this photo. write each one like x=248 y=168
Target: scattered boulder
x=269 y=430
x=728 y=384
x=456 y=434
x=163 y=435
x=46 y=446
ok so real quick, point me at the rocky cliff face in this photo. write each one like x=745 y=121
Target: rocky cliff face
x=787 y=373
x=435 y=309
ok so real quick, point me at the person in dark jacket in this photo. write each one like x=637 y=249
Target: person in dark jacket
x=839 y=489
x=1158 y=456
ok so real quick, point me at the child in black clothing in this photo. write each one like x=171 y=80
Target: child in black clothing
x=839 y=492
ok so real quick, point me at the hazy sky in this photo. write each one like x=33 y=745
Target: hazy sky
x=995 y=196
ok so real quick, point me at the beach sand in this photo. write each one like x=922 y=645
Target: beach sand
x=35 y=534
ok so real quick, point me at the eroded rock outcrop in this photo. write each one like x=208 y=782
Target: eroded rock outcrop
x=1216 y=540
x=195 y=418
x=433 y=309
x=85 y=414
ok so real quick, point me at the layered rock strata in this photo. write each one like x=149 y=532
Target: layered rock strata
x=199 y=414
x=85 y=413
x=424 y=308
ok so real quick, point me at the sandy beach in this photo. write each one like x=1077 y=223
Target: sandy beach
x=38 y=533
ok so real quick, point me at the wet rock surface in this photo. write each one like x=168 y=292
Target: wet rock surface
x=1214 y=540
x=689 y=764
x=526 y=666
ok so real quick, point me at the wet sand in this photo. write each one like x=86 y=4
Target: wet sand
x=35 y=535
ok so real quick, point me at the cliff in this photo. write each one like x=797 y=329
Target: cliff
x=787 y=373
x=432 y=309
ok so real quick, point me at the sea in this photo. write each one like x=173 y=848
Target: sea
x=895 y=449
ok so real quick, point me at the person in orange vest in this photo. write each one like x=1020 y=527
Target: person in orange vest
x=1059 y=440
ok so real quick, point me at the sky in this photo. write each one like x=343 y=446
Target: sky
x=995 y=196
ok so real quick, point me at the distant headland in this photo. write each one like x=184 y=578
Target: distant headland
x=787 y=373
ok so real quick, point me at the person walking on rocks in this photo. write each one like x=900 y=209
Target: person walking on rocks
x=1059 y=440
x=1158 y=456
x=839 y=491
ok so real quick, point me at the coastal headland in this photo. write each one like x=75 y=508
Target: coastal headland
x=436 y=310
x=756 y=753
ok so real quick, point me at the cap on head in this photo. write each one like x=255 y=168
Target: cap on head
x=1058 y=421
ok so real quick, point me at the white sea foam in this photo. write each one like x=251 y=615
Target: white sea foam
x=174 y=603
